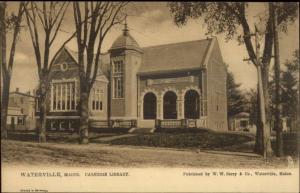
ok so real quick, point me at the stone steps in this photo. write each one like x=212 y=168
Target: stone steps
x=141 y=130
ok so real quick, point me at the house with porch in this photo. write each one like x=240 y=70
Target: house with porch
x=176 y=85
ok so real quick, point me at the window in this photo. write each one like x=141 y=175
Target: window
x=64 y=67
x=97 y=99
x=118 y=81
x=244 y=123
x=20 y=121
x=118 y=66
x=63 y=96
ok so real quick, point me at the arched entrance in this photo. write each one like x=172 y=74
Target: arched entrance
x=149 y=106
x=170 y=100
x=191 y=105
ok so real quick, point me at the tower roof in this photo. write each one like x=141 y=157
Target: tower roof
x=126 y=41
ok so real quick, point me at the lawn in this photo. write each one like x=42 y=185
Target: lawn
x=182 y=139
x=102 y=155
x=194 y=148
x=195 y=139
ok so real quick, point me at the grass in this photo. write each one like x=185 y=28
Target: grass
x=102 y=155
x=177 y=148
x=200 y=138
x=57 y=137
x=172 y=138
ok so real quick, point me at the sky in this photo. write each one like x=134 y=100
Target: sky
x=151 y=23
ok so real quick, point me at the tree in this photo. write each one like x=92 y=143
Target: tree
x=44 y=20
x=97 y=19
x=251 y=105
x=13 y=22
x=235 y=100
x=290 y=90
x=230 y=18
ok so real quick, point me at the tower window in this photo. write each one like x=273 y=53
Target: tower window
x=118 y=81
x=118 y=66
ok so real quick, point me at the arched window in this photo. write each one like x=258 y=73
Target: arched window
x=170 y=110
x=191 y=105
x=150 y=106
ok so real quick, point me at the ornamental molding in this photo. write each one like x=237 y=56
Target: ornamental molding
x=186 y=79
x=148 y=90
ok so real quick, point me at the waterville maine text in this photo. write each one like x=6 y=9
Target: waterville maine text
x=72 y=174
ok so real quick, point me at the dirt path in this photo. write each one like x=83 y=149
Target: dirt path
x=101 y=155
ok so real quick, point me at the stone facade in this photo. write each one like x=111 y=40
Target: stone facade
x=182 y=83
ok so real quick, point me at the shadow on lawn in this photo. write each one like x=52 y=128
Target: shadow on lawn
x=60 y=137
x=22 y=136
x=196 y=139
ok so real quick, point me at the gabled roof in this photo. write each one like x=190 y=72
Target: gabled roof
x=177 y=56
x=242 y=115
x=23 y=94
x=104 y=58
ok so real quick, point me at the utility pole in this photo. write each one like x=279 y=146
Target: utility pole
x=278 y=108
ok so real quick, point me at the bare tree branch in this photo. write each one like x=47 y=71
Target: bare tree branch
x=59 y=24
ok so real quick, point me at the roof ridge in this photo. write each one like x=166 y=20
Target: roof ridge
x=67 y=48
x=183 y=42
x=25 y=94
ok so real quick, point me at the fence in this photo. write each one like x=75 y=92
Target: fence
x=182 y=123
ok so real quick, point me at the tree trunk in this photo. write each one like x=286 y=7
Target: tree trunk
x=263 y=140
x=277 y=123
x=84 y=110
x=263 y=97
x=4 y=73
x=298 y=117
x=258 y=148
x=267 y=127
x=42 y=108
x=4 y=105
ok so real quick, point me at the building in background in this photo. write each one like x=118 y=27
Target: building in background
x=21 y=111
x=241 y=122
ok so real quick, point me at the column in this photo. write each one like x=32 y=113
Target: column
x=140 y=110
x=200 y=106
x=180 y=107
x=159 y=109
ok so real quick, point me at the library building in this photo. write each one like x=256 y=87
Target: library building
x=177 y=85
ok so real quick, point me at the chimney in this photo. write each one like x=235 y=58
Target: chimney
x=17 y=89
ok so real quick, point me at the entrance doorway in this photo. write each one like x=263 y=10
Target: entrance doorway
x=149 y=106
x=170 y=110
x=191 y=105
